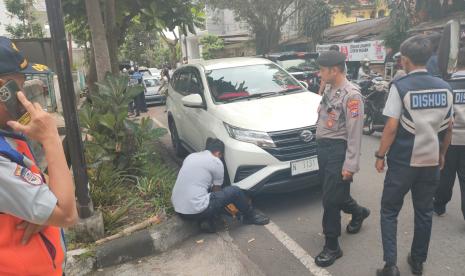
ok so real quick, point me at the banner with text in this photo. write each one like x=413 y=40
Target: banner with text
x=358 y=51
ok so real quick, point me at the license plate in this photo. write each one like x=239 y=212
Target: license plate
x=304 y=166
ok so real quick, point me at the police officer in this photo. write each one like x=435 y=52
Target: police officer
x=417 y=134
x=455 y=156
x=339 y=135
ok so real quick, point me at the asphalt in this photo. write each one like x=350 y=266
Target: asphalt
x=299 y=214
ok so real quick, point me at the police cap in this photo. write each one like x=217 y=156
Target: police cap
x=331 y=58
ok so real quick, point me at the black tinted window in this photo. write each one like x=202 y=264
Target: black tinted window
x=182 y=82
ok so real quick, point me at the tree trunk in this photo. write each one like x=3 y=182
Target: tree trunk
x=99 y=39
x=91 y=72
x=112 y=34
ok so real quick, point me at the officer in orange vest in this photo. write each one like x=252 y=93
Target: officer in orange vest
x=31 y=211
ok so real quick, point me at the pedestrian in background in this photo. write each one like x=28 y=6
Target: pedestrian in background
x=31 y=212
x=339 y=137
x=432 y=65
x=417 y=134
x=455 y=156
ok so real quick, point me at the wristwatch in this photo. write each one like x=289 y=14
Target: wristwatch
x=381 y=157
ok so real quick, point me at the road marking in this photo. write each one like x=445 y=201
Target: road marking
x=296 y=250
x=158 y=123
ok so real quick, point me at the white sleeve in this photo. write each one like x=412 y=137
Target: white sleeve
x=393 y=107
x=218 y=173
x=23 y=193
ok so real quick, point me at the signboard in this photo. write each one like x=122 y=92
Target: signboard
x=358 y=51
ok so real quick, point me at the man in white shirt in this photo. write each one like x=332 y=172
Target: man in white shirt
x=198 y=195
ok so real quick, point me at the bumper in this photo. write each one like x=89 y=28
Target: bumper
x=282 y=181
x=155 y=99
x=272 y=175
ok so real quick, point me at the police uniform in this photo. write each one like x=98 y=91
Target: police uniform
x=339 y=134
x=423 y=105
x=455 y=156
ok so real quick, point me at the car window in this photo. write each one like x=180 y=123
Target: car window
x=229 y=83
x=181 y=84
x=151 y=82
x=299 y=64
x=196 y=86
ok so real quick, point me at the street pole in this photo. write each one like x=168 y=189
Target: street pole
x=68 y=99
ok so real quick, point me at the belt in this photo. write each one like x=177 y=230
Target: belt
x=326 y=142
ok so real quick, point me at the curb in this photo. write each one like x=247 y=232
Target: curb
x=154 y=240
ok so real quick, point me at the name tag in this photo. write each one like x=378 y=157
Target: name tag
x=459 y=97
x=428 y=100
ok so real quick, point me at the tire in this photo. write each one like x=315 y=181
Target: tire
x=368 y=127
x=179 y=149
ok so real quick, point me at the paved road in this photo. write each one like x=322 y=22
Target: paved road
x=287 y=246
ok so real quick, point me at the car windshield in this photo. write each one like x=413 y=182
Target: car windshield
x=249 y=82
x=151 y=82
x=299 y=64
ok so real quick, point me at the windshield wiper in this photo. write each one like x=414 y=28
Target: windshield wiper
x=253 y=96
x=291 y=90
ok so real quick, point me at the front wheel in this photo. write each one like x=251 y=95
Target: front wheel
x=368 y=125
x=179 y=149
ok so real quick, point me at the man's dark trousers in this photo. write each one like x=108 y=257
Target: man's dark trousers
x=219 y=200
x=422 y=182
x=336 y=192
x=454 y=165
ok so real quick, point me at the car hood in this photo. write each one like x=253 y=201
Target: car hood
x=272 y=113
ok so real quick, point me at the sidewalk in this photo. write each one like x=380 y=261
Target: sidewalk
x=203 y=255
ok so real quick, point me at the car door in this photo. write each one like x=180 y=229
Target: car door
x=197 y=119
x=179 y=84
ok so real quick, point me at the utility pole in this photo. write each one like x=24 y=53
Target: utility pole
x=68 y=99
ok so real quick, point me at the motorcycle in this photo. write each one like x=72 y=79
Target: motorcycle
x=375 y=96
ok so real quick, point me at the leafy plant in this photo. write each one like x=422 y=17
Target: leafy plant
x=211 y=45
x=399 y=25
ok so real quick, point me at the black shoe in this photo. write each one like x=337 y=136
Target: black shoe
x=415 y=267
x=355 y=224
x=439 y=210
x=327 y=257
x=254 y=217
x=207 y=226
x=392 y=270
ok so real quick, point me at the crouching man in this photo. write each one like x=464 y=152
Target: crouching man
x=197 y=194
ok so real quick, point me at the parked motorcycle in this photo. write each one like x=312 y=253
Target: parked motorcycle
x=375 y=96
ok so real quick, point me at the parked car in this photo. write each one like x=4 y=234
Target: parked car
x=265 y=117
x=301 y=65
x=155 y=72
x=152 y=95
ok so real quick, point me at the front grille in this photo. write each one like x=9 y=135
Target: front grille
x=290 y=146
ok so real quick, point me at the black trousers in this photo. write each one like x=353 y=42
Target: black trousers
x=336 y=192
x=422 y=182
x=454 y=165
x=221 y=199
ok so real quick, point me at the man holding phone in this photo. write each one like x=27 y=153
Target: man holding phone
x=31 y=211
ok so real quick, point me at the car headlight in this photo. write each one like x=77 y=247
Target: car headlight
x=259 y=138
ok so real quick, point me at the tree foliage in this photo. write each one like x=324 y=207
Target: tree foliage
x=316 y=18
x=267 y=17
x=399 y=24
x=211 y=44
x=28 y=26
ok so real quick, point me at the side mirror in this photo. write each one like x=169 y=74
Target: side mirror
x=193 y=101
x=304 y=84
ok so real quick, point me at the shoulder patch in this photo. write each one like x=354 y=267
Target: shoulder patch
x=28 y=176
x=354 y=107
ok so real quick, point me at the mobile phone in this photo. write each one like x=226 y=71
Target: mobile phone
x=14 y=107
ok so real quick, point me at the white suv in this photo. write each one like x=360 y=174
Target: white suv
x=265 y=117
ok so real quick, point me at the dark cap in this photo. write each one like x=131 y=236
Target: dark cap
x=13 y=61
x=331 y=58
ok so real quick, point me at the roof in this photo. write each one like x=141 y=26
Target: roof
x=363 y=30
x=438 y=24
x=213 y=64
